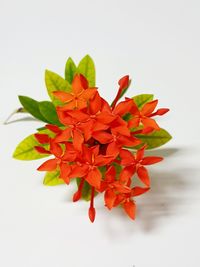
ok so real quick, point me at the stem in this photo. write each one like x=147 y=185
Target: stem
x=77 y=195
x=19 y=110
x=92 y=197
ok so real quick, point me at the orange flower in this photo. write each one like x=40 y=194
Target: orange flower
x=88 y=164
x=115 y=140
x=128 y=204
x=144 y=115
x=119 y=192
x=61 y=160
x=79 y=96
x=135 y=164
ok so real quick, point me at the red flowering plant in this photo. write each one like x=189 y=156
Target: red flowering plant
x=100 y=145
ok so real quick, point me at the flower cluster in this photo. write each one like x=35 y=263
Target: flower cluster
x=98 y=144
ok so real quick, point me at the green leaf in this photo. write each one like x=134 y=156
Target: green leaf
x=70 y=70
x=52 y=178
x=87 y=68
x=26 y=151
x=31 y=106
x=155 y=139
x=142 y=99
x=54 y=82
x=48 y=111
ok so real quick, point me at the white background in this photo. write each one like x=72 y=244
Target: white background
x=157 y=43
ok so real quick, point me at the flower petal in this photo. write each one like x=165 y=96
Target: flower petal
x=63 y=96
x=149 y=107
x=128 y=141
x=49 y=165
x=126 y=174
x=86 y=128
x=134 y=122
x=87 y=154
x=127 y=157
x=88 y=93
x=42 y=150
x=105 y=117
x=98 y=126
x=63 y=116
x=81 y=103
x=140 y=153
x=161 y=111
x=78 y=171
x=65 y=170
x=110 y=174
x=56 y=149
x=112 y=149
x=94 y=178
x=137 y=191
x=101 y=160
x=79 y=83
x=78 y=115
x=53 y=128
x=103 y=137
x=130 y=208
x=42 y=138
x=143 y=175
x=69 y=105
x=109 y=198
x=95 y=104
x=123 y=107
x=151 y=160
x=123 y=130
x=148 y=122
x=78 y=140
x=63 y=136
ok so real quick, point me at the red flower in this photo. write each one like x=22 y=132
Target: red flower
x=119 y=192
x=88 y=164
x=144 y=115
x=79 y=96
x=73 y=130
x=61 y=160
x=125 y=199
x=110 y=185
x=135 y=164
x=115 y=141
x=95 y=117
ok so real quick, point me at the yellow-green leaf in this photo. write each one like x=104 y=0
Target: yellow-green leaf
x=155 y=139
x=87 y=68
x=70 y=70
x=52 y=178
x=55 y=82
x=26 y=151
x=142 y=99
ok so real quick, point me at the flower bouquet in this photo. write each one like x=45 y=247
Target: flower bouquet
x=100 y=145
